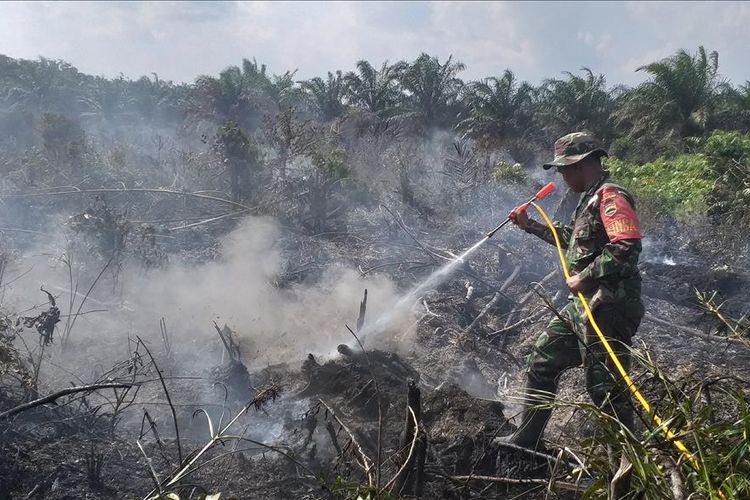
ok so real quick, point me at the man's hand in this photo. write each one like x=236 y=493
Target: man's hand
x=520 y=219
x=575 y=284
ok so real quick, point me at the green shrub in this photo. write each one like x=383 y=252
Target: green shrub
x=669 y=186
x=714 y=179
x=511 y=173
x=728 y=199
x=728 y=145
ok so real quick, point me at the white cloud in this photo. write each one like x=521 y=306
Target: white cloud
x=181 y=40
x=600 y=43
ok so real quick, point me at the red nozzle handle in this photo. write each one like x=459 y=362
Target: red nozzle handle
x=543 y=192
x=520 y=209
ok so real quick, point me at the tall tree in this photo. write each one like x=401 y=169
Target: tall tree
x=156 y=99
x=240 y=154
x=498 y=111
x=677 y=101
x=107 y=99
x=45 y=85
x=223 y=98
x=376 y=91
x=254 y=75
x=64 y=142
x=243 y=95
x=578 y=103
x=733 y=107
x=327 y=95
x=433 y=90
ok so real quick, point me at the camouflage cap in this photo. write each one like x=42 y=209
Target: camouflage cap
x=573 y=148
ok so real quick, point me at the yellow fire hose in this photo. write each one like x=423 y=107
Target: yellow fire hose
x=633 y=389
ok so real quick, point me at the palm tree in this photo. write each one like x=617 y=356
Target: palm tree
x=733 y=108
x=107 y=99
x=284 y=92
x=679 y=99
x=374 y=90
x=16 y=120
x=242 y=95
x=156 y=99
x=433 y=90
x=279 y=88
x=45 y=85
x=222 y=98
x=327 y=95
x=240 y=154
x=498 y=110
x=578 y=103
x=254 y=75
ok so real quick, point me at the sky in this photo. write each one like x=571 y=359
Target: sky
x=536 y=40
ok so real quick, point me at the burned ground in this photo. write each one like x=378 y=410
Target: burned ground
x=463 y=348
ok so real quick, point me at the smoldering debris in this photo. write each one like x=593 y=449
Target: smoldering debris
x=337 y=408
x=253 y=380
x=45 y=321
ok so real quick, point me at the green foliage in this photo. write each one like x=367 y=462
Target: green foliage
x=242 y=95
x=327 y=95
x=108 y=99
x=713 y=180
x=726 y=145
x=233 y=142
x=45 y=85
x=663 y=128
x=729 y=197
x=499 y=112
x=433 y=90
x=710 y=416
x=578 y=103
x=332 y=161
x=59 y=133
x=510 y=173
x=676 y=185
x=241 y=155
x=157 y=101
x=64 y=144
x=375 y=90
x=679 y=100
x=733 y=105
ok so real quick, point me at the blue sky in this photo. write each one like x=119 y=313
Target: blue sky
x=535 y=39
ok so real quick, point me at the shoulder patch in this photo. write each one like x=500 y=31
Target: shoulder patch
x=610 y=209
x=619 y=219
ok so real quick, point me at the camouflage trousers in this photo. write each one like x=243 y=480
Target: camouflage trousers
x=571 y=341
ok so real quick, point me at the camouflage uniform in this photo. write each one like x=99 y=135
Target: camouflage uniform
x=602 y=246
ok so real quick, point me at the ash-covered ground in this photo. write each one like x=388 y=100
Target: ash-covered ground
x=258 y=328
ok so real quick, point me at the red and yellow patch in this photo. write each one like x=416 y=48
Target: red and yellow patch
x=618 y=216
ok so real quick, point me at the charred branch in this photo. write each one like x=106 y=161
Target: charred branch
x=56 y=395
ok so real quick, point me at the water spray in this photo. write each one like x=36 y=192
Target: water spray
x=440 y=275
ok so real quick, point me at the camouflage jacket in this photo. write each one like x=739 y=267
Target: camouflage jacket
x=602 y=243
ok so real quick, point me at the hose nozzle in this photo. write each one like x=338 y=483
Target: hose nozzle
x=547 y=189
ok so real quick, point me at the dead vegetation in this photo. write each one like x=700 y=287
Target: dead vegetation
x=164 y=359
x=388 y=418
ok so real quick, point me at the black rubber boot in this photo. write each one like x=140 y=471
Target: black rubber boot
x=530 y=430
x=534 y=420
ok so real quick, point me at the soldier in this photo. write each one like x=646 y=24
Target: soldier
x=602 y=245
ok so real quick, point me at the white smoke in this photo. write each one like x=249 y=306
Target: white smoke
x=273 y=325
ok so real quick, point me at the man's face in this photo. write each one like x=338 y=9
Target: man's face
x=573 y=177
